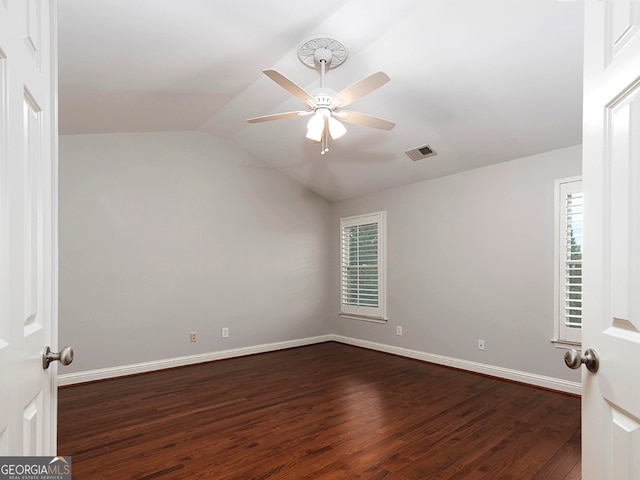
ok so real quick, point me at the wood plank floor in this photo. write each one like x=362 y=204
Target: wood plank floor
x=326 y=411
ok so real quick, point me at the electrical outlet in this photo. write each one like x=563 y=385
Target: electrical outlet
x=480 y=344
x=193 y=337
x=399 y=331
x=225 y=332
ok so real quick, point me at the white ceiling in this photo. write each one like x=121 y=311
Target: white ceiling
x=481 y=81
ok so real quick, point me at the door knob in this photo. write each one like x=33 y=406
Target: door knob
x=573 y=359
x=64 y=356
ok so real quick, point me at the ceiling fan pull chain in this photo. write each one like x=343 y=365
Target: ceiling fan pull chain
x=324 y=147
x=323 y=142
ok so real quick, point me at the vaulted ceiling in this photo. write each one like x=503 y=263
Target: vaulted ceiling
x=480 y=81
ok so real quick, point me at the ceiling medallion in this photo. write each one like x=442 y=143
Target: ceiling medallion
x=307 y=51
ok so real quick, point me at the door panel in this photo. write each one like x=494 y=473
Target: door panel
x=33 y=167
x=626 y=435
x=32 y=33
x=622 y=20
x=32 y=431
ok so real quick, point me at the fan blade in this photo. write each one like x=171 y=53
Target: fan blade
x=359 y=89
x=364 y=120
x=290 y=86
x=278 y=116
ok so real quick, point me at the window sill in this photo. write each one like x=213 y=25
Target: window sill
x=566 y=344
x=364 y=318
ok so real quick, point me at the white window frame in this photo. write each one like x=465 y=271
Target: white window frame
x=565 y=336
x=361 y=312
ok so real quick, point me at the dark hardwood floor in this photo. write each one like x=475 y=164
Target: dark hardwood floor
x=326 y=411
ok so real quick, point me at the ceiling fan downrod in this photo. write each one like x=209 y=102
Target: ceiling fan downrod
x=322 y=56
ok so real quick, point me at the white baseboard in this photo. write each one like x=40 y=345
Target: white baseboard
x=491 y=370
x=121 y=371
x=551 y=383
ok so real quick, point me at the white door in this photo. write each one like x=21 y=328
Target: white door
x=28 y=270
x=611 y=180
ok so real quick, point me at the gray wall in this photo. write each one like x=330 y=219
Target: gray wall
x=166 y=233
x=470 y=256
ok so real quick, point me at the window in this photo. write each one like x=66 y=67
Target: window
x=363 y=266
x=569 y=217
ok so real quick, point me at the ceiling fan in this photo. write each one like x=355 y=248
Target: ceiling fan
x=324 y=103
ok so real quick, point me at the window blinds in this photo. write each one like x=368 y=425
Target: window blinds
x=362 y=240
x=572 y=246
x=360 y=265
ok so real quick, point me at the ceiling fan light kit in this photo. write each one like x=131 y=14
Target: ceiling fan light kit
x=325 y=104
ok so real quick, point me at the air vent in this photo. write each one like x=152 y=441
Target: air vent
x=419 y=153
